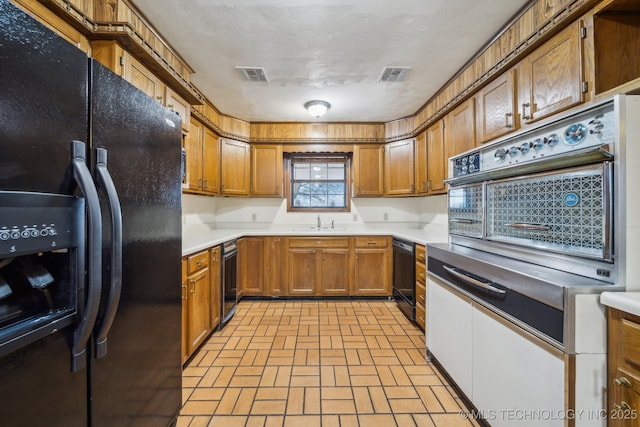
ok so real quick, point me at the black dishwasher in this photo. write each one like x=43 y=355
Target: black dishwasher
x=404 y=277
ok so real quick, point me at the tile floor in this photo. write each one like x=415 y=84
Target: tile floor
x=317 y=363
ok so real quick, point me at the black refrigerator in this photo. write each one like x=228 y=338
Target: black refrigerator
x=90 y=240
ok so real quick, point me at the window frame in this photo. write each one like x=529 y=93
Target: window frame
x=346 y=157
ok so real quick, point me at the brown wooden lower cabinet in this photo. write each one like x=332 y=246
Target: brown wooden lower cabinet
x=198 y=301
x=275 y=283
x=623 y=368
x=372 y=266
x=251 y=266
x=200 y=298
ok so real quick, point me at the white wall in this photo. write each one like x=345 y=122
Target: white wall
x=226 y=212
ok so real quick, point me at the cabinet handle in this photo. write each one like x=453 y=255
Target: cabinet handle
x=159 y=98
x=199 y=182
x=184 y=296
x=508 y=124
x=411 y=188
x=199 y=262
x=524 y=112
x=205 y=183
x=371 y=242
x=358 y=190
x=622 y=381
x=170 y=106
x=428 y=184
x=623 y=405
x=193 y=286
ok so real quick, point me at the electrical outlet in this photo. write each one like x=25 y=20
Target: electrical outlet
x=254 y=217
x=385 y=216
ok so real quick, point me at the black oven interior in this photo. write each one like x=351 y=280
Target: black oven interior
x=229 y=280
x=404 y=283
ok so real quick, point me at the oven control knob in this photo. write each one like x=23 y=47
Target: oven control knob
x=524 y=148
x=472 y=158
x=464 y=169
x=575 y=134
x=26 y=234
x=472 y=168
x=552 y=140
x=15 y=234
x=538 y=144
x=500 y=155
x=4 y=235
x=53 y=231
x=464 y=161
x=513 y=151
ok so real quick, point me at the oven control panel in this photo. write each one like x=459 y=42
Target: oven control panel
x=592 y=128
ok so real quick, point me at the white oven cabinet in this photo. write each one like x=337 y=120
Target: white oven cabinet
x=509 y=378
x=515 y=381
x=449 y=333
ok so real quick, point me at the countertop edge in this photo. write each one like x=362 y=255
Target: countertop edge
x=628 y=302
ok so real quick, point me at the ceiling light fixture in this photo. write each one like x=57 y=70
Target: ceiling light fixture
x=317 y=108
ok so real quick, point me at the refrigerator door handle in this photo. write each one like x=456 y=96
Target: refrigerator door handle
x=106 y=183
x=82 y=332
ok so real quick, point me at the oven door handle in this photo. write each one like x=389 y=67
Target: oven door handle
x=529 y=226
x=472 y=281
x=463 y=221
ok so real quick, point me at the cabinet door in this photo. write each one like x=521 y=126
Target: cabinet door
x=193 y=147
x=368 y=170
x=185 y=313
x=250 y=260
x=372 y=272
x=496 y=108
x=334 y=271
x=504 y=360
x=460 y=133
x=436 y=160
x=266 y=170
x=180 y=106
x=199 y=288
x=216 y=308
x=210 y=162
x=552 y=76
x=234 y=167
x=274 y=259
x=139 y=76
x=302 y=271
x=399 y=167
x=422 y=185
x=449 y=336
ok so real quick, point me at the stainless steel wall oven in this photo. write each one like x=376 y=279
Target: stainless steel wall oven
x=537 y=225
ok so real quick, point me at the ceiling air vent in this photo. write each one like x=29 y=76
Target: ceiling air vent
x=393 y=74
x=253 y=74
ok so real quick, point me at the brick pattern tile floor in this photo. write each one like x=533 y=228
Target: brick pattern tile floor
x=317 y=363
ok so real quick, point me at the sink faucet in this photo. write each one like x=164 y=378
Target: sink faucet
x=319 y=223
x=333 y=224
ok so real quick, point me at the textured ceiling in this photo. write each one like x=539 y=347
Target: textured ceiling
x=333 y=50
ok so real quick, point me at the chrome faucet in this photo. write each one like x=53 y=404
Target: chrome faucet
x=319 y=223
x=333 y=224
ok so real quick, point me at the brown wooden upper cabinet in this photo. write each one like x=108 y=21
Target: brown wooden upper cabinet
x=178 y=105
x=422 y=184
x=460 y=132
x=399 y=168
x=436 y=160
x=497 y=114
x=235 y=165
x=551 y=78
x=266 y=170
x=368 y=170
x=203 y=158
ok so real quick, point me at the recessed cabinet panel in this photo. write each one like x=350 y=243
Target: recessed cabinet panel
x=368 y=170
x=436 y=160
x=399 y=168
x=496 y=108
x=234 y=167
x=266 y=170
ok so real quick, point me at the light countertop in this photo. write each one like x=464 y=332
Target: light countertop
x=202 y=236
x=624 y=301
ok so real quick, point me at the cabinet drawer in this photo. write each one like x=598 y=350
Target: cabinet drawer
x=197 y=261
x=421 y=254
x=371 y=241
x=421 y=274
x=318 y=242
x=421 y=294
x=420 y=315
x=631 y=341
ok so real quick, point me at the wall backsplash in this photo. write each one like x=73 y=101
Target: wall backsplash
x=227 y=211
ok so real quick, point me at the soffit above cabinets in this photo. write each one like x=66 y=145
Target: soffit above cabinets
x=333 y=50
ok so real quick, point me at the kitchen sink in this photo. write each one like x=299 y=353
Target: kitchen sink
x=311 y=228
